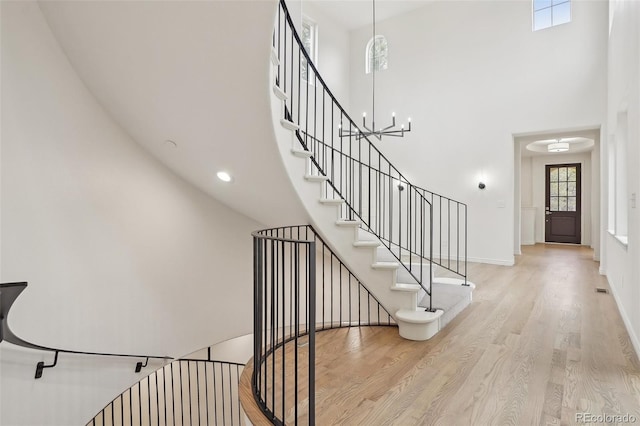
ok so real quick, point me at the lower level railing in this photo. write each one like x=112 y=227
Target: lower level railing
x=300 y=287
x=184 y=392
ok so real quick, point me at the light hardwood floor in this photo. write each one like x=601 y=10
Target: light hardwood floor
x=537 y=346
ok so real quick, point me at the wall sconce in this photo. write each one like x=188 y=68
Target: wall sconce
x=481 y=185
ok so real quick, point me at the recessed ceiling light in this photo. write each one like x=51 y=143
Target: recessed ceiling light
x=224 y=176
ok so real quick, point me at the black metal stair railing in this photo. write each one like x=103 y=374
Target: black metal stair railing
x=187 y=391
x=407 y=219
x=449 y=232
x=300 y=287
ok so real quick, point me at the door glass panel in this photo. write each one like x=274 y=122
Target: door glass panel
x=554 y=174
x=553 y=188
x=571 y=189
x=572 y=204
x=572 y=174
x=562 y=204
x=562 y=188
x=562 y=174
x=554 y=204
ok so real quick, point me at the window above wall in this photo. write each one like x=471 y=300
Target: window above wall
x=310 y=43
x=376 y=55
x=549 y=13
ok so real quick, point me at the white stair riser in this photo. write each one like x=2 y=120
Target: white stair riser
x=419 y=331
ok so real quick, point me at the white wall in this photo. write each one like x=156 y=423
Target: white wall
x=526 y=182
x=120 y=254
x=471 y=75
x=333 y=52
x=620 y=262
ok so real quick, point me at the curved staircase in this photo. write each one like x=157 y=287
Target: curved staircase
x=379 y=224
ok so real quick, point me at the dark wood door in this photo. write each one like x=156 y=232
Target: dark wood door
x=562 y=210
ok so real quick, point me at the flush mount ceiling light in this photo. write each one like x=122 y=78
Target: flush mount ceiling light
x=558 y=146
x=224 y=176
x=390 y=130
x=576 y=144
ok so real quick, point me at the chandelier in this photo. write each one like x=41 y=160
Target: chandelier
x=378 y=132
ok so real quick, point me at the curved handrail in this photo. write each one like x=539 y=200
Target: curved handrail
x=9 y=292
x=293 y=299
x=186 y=391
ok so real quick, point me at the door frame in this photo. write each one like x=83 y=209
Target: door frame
x=595 y=207
x=547 y=201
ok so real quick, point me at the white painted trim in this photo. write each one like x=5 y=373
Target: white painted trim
x=274 y=57
x=290 y=125
x=279 y=93
x=602 y=271
x=625 y=318
x=501 y=262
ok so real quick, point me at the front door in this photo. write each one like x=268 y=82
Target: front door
x=562 y=210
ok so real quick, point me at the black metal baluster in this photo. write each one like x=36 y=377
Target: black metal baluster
x=189 y=387
x=449 y=233
x=274 y=284
x=457 y=237
x=173 y=399
x=257 y=365
x=311 y=250
x=231 y=399
x=206 y=389
x=284 y=337
x=297 y=329
x=224 y=402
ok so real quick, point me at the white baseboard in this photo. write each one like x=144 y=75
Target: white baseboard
x=502 y=262
x=492 y=261
x=602 y=271
x=627 y=322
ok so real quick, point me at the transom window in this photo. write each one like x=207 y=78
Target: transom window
x=563 y=194
x=549 y=13
x=376 y=54
x=309 y=41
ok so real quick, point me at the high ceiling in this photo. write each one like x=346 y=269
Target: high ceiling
x=195 y=73
x=352 y=14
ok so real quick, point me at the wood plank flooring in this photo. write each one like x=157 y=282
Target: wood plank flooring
x=537 y=346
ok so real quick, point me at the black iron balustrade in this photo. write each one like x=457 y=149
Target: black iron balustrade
x=450 y=232
x=401 y=215
x=300 y=287
x=184 y=392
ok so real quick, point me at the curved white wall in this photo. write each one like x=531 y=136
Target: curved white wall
x=121 y=255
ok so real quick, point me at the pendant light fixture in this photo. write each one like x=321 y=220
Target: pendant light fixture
x=390 y=130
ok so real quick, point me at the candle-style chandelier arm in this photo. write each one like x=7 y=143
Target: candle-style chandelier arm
x=367 y=131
